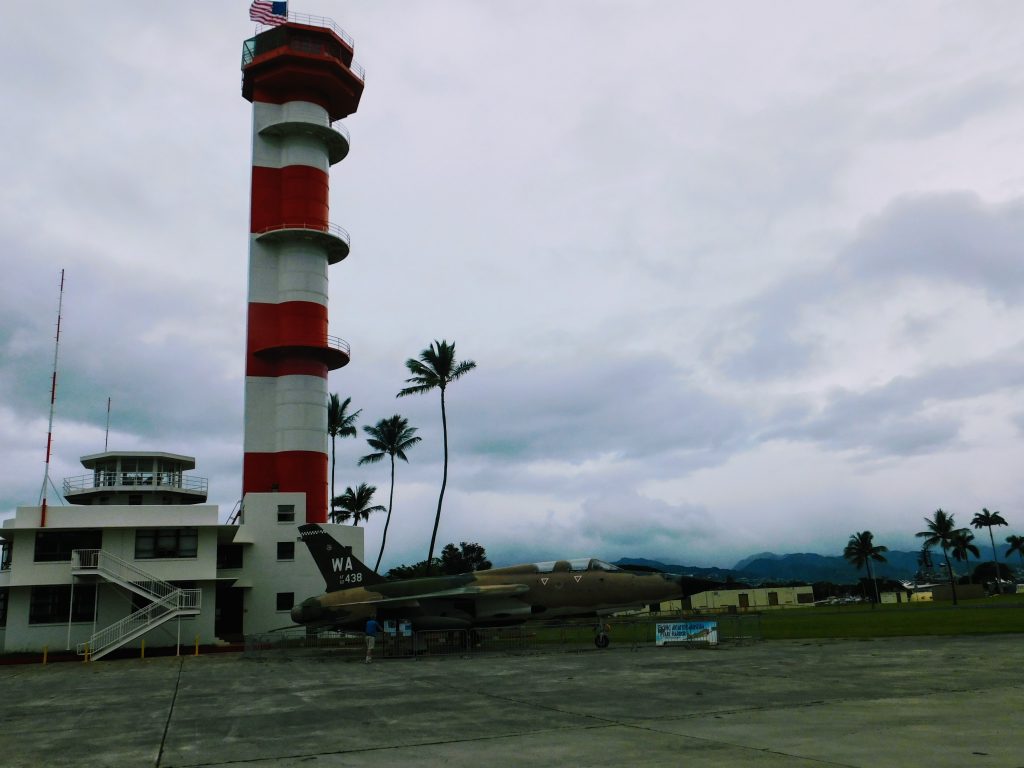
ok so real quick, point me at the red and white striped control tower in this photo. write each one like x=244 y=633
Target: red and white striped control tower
x=300 y=78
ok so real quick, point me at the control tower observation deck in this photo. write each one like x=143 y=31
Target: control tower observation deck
x=301 y=79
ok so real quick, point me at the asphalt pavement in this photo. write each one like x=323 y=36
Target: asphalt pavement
x=929 y=702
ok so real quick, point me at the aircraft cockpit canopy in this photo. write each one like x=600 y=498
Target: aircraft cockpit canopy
x=576 y=564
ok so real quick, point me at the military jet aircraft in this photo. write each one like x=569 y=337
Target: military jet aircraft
x=496 y=597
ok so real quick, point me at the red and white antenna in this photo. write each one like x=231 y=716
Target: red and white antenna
x=53 y=400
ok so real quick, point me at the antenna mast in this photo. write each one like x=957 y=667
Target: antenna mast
x=106 y=437
x=53 y=400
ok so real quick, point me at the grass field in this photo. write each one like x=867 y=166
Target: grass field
x=970 y=617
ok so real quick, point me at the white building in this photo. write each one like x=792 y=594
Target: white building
x=137 y=547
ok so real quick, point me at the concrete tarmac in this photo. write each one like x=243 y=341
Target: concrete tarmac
x=929 y=702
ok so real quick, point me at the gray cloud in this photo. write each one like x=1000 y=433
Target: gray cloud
x=954 y=237
x=894 y=419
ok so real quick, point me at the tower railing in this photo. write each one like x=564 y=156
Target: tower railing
x=336 y=342
x=322 y=21
x=103 y=479
x=331 y=342
x=249 y=46
x=332 y=229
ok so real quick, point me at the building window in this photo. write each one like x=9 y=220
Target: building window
x=152 y=543
x=56 y=546
x=285 y=601
x=3 y=607
x=5 y=557
x=286 y=513
x=49 y=605
x=286 y=550
x=229 y=556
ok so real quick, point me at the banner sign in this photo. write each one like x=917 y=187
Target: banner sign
x=687 y=632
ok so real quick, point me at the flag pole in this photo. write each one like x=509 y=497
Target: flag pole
x=53 y=400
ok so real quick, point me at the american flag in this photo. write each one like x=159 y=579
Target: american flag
x=269 y=13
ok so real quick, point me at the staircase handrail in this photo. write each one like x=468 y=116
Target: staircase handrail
x=180 y=599
x=127 y=625
x=102 y=561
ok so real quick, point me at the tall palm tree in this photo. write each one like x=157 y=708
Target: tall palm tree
x=340 y=423
x=986 y=519
x=940 y=533
x=436 y=368
x=389 y=437
x=962 y=549
x=354 y=504
x=861 y=550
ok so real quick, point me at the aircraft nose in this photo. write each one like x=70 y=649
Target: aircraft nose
x=307 y=611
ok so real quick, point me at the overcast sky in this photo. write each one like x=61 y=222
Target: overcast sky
x=737 y=276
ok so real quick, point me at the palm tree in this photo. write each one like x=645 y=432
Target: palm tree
x=340 y=423
x=963 y=547
x=940 y=533
x=389 y=437
x=355 y=504
x=436 y=369
x=861 y=550
x=986 y=519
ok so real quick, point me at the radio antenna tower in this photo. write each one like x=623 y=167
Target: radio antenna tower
x=53 y=400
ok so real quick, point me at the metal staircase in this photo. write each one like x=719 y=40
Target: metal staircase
x=167 y=601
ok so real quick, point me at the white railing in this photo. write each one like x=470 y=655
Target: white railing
x=115 y=569
x=141 y=621
x=322 y=21
x=318 y=226
x=168 y=600
x=169 y=480
x=335 y=342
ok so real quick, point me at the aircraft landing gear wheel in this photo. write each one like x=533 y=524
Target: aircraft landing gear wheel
x=601 y=640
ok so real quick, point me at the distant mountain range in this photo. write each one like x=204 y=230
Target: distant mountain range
x=809 y=567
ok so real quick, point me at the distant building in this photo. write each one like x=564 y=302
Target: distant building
x=137 y=554
x=752 y=599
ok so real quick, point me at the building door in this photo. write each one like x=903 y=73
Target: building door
x=744 y=600
x=227 y=622
x=773 y=598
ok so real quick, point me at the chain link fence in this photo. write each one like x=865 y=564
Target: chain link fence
x=534 y=637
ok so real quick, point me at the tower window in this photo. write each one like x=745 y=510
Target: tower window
x=286 y=550
x=286 y=513
x=285 y=601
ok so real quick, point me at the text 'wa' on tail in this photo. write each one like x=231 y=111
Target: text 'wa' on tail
x=340 y=568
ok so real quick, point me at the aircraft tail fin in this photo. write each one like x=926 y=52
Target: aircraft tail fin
x=339 y=567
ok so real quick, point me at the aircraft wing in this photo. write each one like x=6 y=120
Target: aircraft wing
x=493 y=590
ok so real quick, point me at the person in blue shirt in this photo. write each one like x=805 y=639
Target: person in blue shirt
x=372 y=629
